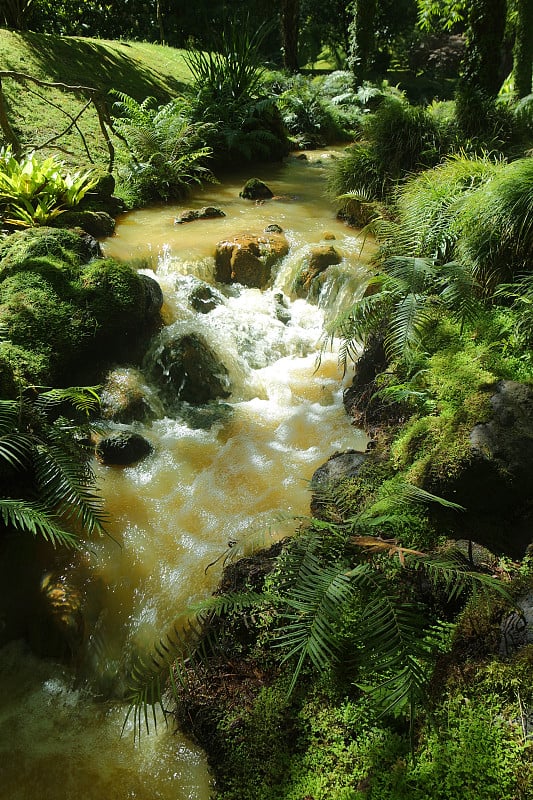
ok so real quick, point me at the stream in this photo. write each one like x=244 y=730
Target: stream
x=221 y=481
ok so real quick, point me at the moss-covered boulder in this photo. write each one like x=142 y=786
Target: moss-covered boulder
x=255 y=189
x=97 y=223
x=67 y=313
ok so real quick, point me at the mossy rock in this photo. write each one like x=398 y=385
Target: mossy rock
x=96 y=223
x=60 y=243
x=69 y=313
x=255 y=189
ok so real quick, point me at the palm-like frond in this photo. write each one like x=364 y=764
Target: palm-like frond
x=63 y=485
x=461 y=292
x=83 y=398
x=313 y=605
x=407 y=325
x=55 y=469
x=26 y=516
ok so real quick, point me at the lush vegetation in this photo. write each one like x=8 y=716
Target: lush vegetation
x=365 y=657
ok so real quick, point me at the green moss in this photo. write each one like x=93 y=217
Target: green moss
x=35 y=317
x=20 y=367
x=57 y=310
x=113 y=290
x=66 y=246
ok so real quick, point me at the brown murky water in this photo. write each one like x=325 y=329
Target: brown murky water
x=240 y=480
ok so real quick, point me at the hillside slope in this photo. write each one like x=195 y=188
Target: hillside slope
x=36 y=114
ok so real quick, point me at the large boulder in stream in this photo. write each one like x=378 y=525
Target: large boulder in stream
x=248 y=259
x=187 y=369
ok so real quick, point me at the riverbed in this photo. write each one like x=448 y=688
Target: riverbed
x=218 y=484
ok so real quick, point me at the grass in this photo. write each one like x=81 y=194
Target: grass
x=138 y=69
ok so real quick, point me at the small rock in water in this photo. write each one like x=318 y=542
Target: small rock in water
x=207 y=212
x=254 y=189
x=122 y=449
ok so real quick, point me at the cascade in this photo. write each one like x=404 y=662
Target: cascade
x=222 y=478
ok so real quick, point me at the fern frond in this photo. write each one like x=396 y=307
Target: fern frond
x=313 y=601
x=23 y=515
x=63 y=485
x=83 y=398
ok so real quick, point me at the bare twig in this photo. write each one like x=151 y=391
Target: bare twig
x=93 y=95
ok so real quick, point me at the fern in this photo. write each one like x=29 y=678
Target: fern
x=187 y=645
x=23 y=515
x=43 y=461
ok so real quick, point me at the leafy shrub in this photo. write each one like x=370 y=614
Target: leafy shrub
x=428 y=205
x=404 y=138
x=34 y=191
x=359 y=170
x=396 y=140
x=313 y=113
x=166 y=152
x=227 y=92
x=483 y=123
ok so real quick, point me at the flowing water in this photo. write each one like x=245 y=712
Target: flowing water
x=220 y=481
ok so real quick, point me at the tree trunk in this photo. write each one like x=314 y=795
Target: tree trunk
x=362 y=38
x=290 y=27
x=523 y=48
x=486 y=29
x=159 y=15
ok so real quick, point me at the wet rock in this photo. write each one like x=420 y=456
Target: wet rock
x=204 y=298
x=254 y=189
x=153 y=296
x=248 y=259
x=57 y=629
x=315 y=263
x=338 y=467
x=273 y=228
x=188 y=370
x=282 y=309
x=495 y=483
x=207 y=212
x=122 y=449
x=126 y=398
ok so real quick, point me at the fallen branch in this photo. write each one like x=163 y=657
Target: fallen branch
x=93 y=95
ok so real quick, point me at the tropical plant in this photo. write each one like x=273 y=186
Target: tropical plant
x=167 y=154
x=227 y=92
x=428 y=205
x=47 y=479
x=495 y=225
x=404 y=303
x=34 y=192
x=396 y=140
